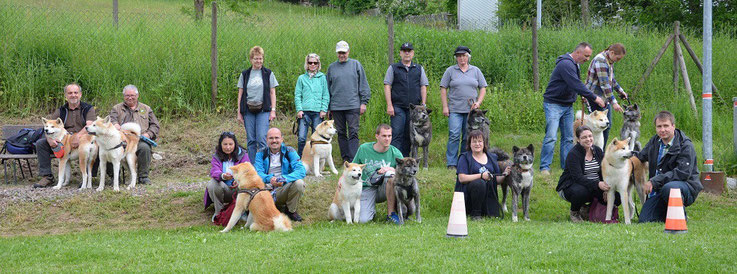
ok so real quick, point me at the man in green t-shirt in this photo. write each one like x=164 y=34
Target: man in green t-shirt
x=378 y=175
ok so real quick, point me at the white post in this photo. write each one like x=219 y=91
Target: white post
x=539 y=13
x=707 y=93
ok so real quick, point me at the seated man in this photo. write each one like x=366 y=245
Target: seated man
x=378 y=175
x=130 y=110
x=672 y=160
x=280 y=168
x=76 y=115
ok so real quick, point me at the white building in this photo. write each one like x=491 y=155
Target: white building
x=477 y=15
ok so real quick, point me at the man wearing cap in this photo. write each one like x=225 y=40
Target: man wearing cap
x=349 y=95
x=565 y=83
x=405 y=83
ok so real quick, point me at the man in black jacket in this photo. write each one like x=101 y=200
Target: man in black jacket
x=672 y=162
x=565 y=83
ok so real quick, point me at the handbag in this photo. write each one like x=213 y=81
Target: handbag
x=254 y=107
x=597 y=213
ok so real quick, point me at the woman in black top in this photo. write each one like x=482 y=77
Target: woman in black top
x=581 y=180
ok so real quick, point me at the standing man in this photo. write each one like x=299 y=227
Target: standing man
x=132 y=111
x=405 y=83
x=675 y=166
x=600 y=80
x=76 y=115
x=280 y=168
x=380 y=158
x=349 y=95
x=565 y=83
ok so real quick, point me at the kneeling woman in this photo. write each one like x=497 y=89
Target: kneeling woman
x=221 y=187
x=476 y=179
x=581 y=180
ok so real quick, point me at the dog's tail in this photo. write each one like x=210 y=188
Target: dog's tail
x=131 y=127
x=500 y=154
x=282 y=223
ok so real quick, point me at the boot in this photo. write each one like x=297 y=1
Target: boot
x=575 y=217
x=46 y=181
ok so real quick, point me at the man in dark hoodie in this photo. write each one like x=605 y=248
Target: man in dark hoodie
x=674 y=167
x=565 y=83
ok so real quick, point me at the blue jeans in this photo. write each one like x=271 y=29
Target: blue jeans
x=456 y=128
x=310 y=119
x=400 y=130
x=256 y=127
x=656 y=207
x=556 y=116
x=594 y=107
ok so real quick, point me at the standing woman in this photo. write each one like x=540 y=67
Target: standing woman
x=600 y=80
x=311 y=98
x=465 y=82
x=476 y=179
x=256 y=100
x=221 y=187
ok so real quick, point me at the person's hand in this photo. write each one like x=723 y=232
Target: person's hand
x=277 y=184
x=75 y=141
x=300 y=114
x=117 y=126
x=624 y=95
x=239 y=118
x=475 y=105
x=446 y=112
x=507 y=171
x=390 y=110
x=486 y=176
x=648 y=187
x=323 y=114
x=52 y=142
x=272 y=115
x=603 y=186
x=362 y=109
x=227 y=176
x=273 y=180
x=617 y=107
x=600 y=102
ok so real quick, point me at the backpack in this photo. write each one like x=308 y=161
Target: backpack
x=23 y=142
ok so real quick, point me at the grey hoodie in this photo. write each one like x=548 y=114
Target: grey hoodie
x=347 y=85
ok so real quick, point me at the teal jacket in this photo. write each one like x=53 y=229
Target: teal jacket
x=311 y=94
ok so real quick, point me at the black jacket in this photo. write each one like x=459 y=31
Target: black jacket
x=679 y=164
x=565 y=83
x=573 y=174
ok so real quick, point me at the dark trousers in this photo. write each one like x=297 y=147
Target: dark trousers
x=400 y=130
x=143 y=161
x=309 y=120
x=346 y=123
x=482 y=198
x=656 y=207
x=578 y=195
x=43 y=153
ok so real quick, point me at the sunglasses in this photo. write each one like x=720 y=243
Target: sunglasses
x=313 y=63
x=228 y=134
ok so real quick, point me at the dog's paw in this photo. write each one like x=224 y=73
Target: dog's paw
x=99 y=189
x=334 y=171
x=57 y=187
x=419 y=219
x=130 y=187
x=318 y=174
x=116 y=189
x=514 y=219
x=504 y=207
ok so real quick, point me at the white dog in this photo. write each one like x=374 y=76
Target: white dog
x=597 y=121
x=114 y=145
x=318 y=149
x=348 y=194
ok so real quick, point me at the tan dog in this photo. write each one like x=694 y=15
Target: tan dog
x=263 y=215
x=617 y=169
x=597 y=121
x=347 y=194
x=319 y=150
x=114 y=145
x=85 y=152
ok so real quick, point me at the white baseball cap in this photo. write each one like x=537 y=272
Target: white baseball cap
x=342 y=46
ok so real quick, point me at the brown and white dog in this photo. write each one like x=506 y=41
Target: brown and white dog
x=622 y=172
x=347 y=194
x=85 y=152
x=597 y=121
x=252 y=195
x=318 y=149
x=114 y=145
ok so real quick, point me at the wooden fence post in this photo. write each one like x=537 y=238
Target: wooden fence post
x=686 y=81
x=115 y=13
x=652 y=65
x=676 y=66
x=199 y=9
x=214 y=55
x=585 y=13
x=390 y=38
x=535 y=61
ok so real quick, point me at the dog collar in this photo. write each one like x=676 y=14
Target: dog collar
x=326 y=140
x=123 y=144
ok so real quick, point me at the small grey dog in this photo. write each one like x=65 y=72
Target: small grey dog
x=631 y=127
x=420 y=131
x=519 y=178
x=406 y=189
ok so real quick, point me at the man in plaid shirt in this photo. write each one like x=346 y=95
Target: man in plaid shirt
x=600 y=80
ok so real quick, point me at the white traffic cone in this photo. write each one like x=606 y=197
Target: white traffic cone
x=457 y=226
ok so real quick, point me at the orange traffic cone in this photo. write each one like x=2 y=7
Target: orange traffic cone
x=675 y=220
x=457 y=226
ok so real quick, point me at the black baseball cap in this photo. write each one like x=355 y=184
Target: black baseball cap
x=462 y=49
x=407 y=46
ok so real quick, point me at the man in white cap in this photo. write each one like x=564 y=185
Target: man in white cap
x=349 y=95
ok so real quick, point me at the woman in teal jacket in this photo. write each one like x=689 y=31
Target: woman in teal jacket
x=311 y=98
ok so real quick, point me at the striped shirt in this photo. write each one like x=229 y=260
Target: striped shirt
x=591 y=170
x=600 y=78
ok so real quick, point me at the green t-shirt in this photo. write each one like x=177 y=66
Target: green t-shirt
x=375 y=160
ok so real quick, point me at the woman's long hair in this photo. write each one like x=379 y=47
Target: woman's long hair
x=219 y=148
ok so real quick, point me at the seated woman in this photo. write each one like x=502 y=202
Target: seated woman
x=477 y=180
x=221 y=187
x=581 y=180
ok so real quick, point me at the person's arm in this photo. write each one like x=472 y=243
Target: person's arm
x=601 y=71
x=239 y=116
x=153 y=125
x=388 y=79
x=423 y=85
x=444 y=84
x=298 y=96
x=295 y=165
x=568 y=74
x=325 y=97
x=216 y=169
x=685 y=160
x=364 y=90
x=115 y=116
x=272 y=112
x=482 y=88
x=261 y=168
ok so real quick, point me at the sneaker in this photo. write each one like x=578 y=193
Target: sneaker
x=545 y=172
x=393 y=218
x=476 y=218
x=451 y=167
x=294 y=216
x=575 y=217
x=144 y=181
x=46 y=181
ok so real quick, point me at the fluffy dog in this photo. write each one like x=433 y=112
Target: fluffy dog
x=420 y=131
x=631 y=127
x=407 y=190
x=519 y=178
x=616 y=168
x=252 y=195
x=319 y=150
x=347 y=194
x=477 y=121
x=86 y=152
x=114 y=145
x=597 y=121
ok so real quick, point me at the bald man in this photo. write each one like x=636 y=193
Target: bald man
x=280 y=168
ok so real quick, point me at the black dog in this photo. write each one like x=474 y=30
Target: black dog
x=519 y=178
x=420 y=131
x=477 y=121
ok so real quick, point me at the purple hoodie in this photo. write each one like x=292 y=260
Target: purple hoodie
x=217 y=166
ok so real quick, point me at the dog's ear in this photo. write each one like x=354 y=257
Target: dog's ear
x=345 y=164
x=605 y=111
x=107 y=119
x=615 y=140
x=531 y=148
x=634 y=106
x=515 y=149
x=428 y=110
x=58 y=120
x=484 y=111
x=411 y=106
x=362 y=166
x=43 y=119
x=400 y=161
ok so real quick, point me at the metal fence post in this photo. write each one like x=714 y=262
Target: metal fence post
x=115 y=13
x=214 y=55
x=707 y=93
